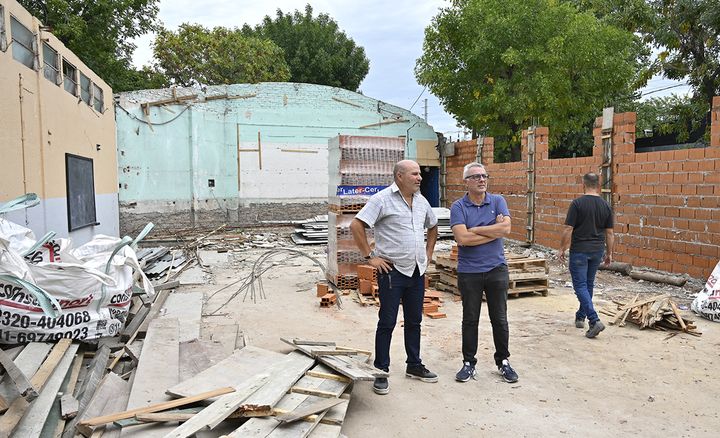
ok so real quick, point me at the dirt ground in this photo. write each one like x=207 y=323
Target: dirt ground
x=626 y=381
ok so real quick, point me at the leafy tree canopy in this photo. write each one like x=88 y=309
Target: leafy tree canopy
x=686 y=33
x=316 y=50
x=100 y=33
x=502 y=65
x=195 y=55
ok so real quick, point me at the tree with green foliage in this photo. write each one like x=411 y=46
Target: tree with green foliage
x=100 y=33
x=502 y=65
x=316 y=50
x=685 y=32
x=195 y=55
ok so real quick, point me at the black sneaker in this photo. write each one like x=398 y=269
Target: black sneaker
x=421 y=373
x=595 y=329
x=466 y=373
x=508 y=374
x=381 y=385
x=579 y=323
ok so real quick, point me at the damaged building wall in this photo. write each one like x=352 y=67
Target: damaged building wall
x=243 y=153
x=53 y=105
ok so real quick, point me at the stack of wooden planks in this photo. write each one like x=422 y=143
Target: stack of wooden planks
x=528 y=275
x=659 y=312
x=179 y=388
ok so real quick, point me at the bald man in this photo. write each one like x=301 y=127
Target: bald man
x=399 y=215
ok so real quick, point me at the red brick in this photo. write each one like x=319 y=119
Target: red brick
x=322 y=289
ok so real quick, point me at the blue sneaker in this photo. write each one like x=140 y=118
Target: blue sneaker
x=466 y=373
x=508 y=374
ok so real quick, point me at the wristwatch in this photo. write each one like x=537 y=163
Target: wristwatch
x=370 y=256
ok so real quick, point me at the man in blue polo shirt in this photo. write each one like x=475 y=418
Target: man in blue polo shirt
x=479 y=221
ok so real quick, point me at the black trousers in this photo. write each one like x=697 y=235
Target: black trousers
x=494 y=284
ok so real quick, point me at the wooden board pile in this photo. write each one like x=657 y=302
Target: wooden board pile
x=174 y=385
x=659 y=312
x=528 y=275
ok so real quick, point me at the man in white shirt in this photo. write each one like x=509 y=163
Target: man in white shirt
x=399 y=215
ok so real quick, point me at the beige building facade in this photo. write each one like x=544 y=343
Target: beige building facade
x=57 y=132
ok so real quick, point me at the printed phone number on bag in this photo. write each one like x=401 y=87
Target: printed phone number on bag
x=22 y=337
x=11 y=319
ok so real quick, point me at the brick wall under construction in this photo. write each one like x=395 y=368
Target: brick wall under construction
x=666 y=204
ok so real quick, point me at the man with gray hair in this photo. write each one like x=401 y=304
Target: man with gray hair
x=589 y=222
x=399 y=215
x=479 y=221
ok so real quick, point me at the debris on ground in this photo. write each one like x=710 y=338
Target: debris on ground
x=659 y=312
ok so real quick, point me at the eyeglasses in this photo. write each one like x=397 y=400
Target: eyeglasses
x=478 y=177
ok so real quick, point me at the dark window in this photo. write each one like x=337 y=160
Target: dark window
x=98 y=102
x=70 y=74
x=80 y=184
x=23 y=43
x=51 y=71
x=85 y=88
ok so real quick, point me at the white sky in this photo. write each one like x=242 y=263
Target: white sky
x=391 y=32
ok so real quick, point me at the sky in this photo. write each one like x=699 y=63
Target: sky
x=391 y=32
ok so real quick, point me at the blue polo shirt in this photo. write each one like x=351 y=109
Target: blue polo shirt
x=485 y=257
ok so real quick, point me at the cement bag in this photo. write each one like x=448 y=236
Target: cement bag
x=707 y=302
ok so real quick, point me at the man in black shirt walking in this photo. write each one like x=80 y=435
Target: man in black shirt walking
x=590 y=223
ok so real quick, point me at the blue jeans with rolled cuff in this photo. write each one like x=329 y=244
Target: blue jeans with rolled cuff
x=393 y=288
x=583 y=267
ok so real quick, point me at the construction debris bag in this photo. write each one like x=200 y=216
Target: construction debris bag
x=707 y=302
x=85 y=296
x=22 y=240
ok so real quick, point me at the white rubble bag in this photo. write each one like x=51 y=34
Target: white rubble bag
x=707 y=302
x=84 y=297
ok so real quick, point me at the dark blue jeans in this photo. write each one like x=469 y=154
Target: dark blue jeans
x=494 y=284
x=583 y=267
x=392 y=288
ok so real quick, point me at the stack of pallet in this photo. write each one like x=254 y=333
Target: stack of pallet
x=358 y=167
x=658 y=312
x=528 y=275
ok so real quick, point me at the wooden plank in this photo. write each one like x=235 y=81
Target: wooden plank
x=160 y=417
x=11 y=418
x=347 y=366
x=185 y=307
x=195 y=358
x=241 y=364
x=316 y=407
x=18 y=377
x=129 y=330
x=284 y=375
x=219 y=410
x=157 y=304
x=28 y=361
x=156 y=407
x=68 y=387
x=110 y=396
x=677 y=315
x=32 y=422
x=315 y=392
x=157 y=370
x=69 y=407
x=95 y=374
x=330 y=376
x=263 y=426
x=169 y=285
